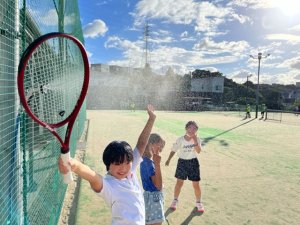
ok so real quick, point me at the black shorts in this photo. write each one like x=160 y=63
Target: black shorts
x=188 y=169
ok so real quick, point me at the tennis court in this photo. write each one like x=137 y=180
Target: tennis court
x=249 y=168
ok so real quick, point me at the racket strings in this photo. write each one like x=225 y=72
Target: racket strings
x=53 y=79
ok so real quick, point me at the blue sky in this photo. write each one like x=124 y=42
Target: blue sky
x=186 y=35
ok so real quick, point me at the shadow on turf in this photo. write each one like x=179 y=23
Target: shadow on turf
x=168 y=212
x=222 y=142
x=193 y=214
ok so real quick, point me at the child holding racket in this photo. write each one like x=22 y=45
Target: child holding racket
x=188 y=166
x=120 y=187
x=152 y=180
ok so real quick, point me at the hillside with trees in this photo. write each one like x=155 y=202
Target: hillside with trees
x=173 y=92
x=275 y=96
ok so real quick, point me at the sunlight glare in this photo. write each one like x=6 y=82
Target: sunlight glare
x=288 y=7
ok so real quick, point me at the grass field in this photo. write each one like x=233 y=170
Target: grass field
x=250 y=169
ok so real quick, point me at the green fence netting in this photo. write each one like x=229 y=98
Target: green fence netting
x=31 y=188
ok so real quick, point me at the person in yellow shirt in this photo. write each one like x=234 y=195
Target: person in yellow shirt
x=248 y=110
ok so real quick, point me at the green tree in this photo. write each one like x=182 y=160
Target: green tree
x=272 y=97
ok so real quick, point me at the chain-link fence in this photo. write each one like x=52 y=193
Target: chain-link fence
x=31 y=188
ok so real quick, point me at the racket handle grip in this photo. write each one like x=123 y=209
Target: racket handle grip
x=68 y=177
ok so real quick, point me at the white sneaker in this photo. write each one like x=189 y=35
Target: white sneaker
x=174 y=204
x=200 y=207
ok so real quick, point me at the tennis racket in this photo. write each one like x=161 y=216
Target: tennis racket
x=53 y=78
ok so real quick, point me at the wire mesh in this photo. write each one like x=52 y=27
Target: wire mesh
x=31 y=188
x=283 y=116
x=53 y=79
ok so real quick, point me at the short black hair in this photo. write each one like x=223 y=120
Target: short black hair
x=117 y=152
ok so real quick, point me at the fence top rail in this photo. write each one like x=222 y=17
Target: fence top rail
x=282 y=111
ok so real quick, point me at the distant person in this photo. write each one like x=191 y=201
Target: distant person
x=188 y=166
x=248 y=110
x=152 y=180
x=297 y=110
x=132 y=106
x=120 y=187
x=263 y=110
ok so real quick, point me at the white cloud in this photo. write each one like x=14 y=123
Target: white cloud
x=210 y=17
x=188 y=39
x=240 y=76
x=284 y=37
x=160 y=36
x=161 y=32
x=176 y=57
x=214 y=33
x=292 y=63
x=280 y=78
x=254 y=4
x=297 y=77
x=89 y=54
x=161 y=40
x=119 y=43
x=184 y=34
x=50 y=18
x=241 y=18
x=295 y=28
x=95 y=29
x=210 y=47
x=205 y=16
x=210 y=69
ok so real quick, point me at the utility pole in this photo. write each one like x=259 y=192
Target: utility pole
x=146 y=36
x=259 y=57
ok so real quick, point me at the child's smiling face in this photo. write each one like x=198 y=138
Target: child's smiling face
x=120 y=171
x=191 y=130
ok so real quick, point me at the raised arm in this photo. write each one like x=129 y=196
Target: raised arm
x=84 y=172
x=144 y=136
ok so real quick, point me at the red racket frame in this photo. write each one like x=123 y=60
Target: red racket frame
x=72 y=117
